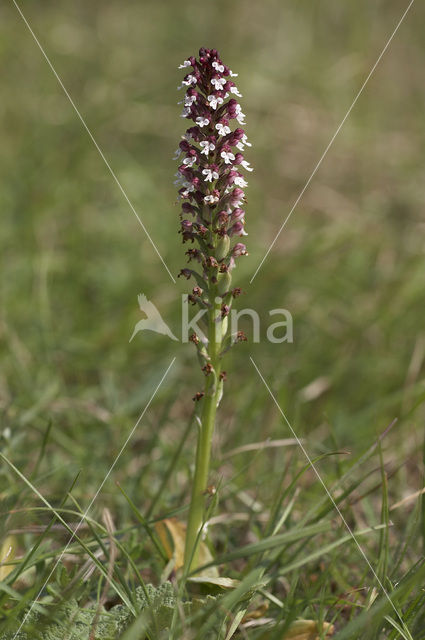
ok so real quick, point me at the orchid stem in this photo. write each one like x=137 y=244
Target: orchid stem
x=203 y=449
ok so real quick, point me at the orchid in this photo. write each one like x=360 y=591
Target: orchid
x=211 y=188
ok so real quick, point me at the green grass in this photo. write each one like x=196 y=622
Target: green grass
x=348 y=265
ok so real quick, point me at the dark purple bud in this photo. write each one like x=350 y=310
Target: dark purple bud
x=222 y=217
x=195 y=133
x=185 y=171
x=237 y=214
x=236 y=196
x=233 y=108
x=231 y=177
x=199 y=197
x=226 y=147
x=225 y=309
x=237 y=229
x=235 y=136
x=186 y=273
x=192 y=93
x=185 y=146
x=239 y=250
x=188 y=208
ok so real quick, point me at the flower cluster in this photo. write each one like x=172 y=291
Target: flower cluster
x=209 y=176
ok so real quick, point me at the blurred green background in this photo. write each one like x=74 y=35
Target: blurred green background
x=349 y=264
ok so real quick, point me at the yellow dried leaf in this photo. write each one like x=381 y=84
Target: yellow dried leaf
x=307 y=630
x=223 y=583
x=256 y=613
x=172 y=534
x=7 y=554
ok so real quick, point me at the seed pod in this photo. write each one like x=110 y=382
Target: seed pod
x=223 y=246
x=224 y=282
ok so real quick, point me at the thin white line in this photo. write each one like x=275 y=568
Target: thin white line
x=327 y=491
x=331 y=141
x=93 y=140
x=95 y=496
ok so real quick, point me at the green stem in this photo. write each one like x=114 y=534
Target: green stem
x=203 y=449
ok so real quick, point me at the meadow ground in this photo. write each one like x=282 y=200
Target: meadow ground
x=349 y=266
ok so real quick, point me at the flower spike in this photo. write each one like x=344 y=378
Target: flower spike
x=211 y=179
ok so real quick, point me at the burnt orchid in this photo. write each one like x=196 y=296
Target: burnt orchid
x=212 y=220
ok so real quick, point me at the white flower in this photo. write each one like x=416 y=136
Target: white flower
x=222 y=129
x=218 y=67
x=190 y=80
x=210 y=175
x=189 y=162
x=243 y=142
x=185 y=112
x=228 y=156
x=188 y=186
x=240 y=118
x=186 y=63
x=202 y=122
x=189 y=100
x=218 y=83
x=233 y=75
x=215 y=101
x=235 y=90
x=246 y=166
x=240 y=182
x=207 y=146
x=177 y=153
x=210 y=199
